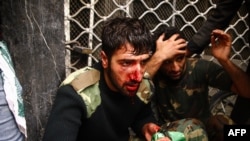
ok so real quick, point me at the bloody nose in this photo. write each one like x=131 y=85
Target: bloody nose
x=136 y=76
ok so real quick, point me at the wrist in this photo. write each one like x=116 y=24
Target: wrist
x=159 y=56
x=149 y=129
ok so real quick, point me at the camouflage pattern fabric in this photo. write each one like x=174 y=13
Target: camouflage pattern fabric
x=214 y=126
x=193 y=130
x=188 y=97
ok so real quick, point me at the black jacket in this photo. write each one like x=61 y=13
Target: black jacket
x=219 y=19
x=112 y=114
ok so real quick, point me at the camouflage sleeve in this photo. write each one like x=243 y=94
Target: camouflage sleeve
x=218 y=77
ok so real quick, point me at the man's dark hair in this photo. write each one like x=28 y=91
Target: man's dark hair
x=168 y=32
x=119 y=31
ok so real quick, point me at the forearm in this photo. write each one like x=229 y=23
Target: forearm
x=220 y=19
x=154 y=64
x=241 y=81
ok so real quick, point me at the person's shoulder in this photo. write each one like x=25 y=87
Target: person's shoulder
x=198 y=60
x=82 y=78
x=85 y=82
x=146 y=88
x=193 y=61
x=198 y=63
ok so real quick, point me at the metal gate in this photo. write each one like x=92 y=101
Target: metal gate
x=84 y=19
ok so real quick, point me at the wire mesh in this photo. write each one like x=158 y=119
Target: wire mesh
x=85 y=18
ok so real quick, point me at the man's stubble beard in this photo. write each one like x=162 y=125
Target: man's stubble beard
x=113 y=82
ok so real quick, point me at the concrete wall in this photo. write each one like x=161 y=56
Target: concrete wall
x=34 y=32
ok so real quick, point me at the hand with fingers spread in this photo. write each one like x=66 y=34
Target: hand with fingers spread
x=221 y=45
x=167 y=49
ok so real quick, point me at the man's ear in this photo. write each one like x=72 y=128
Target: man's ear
x=104 y=59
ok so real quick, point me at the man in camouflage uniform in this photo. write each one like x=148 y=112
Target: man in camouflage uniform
x=182 y=83
x=101 y=102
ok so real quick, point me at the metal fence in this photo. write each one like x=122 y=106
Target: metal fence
x=84 y=19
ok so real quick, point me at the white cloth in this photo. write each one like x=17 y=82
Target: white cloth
x=12 y=88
